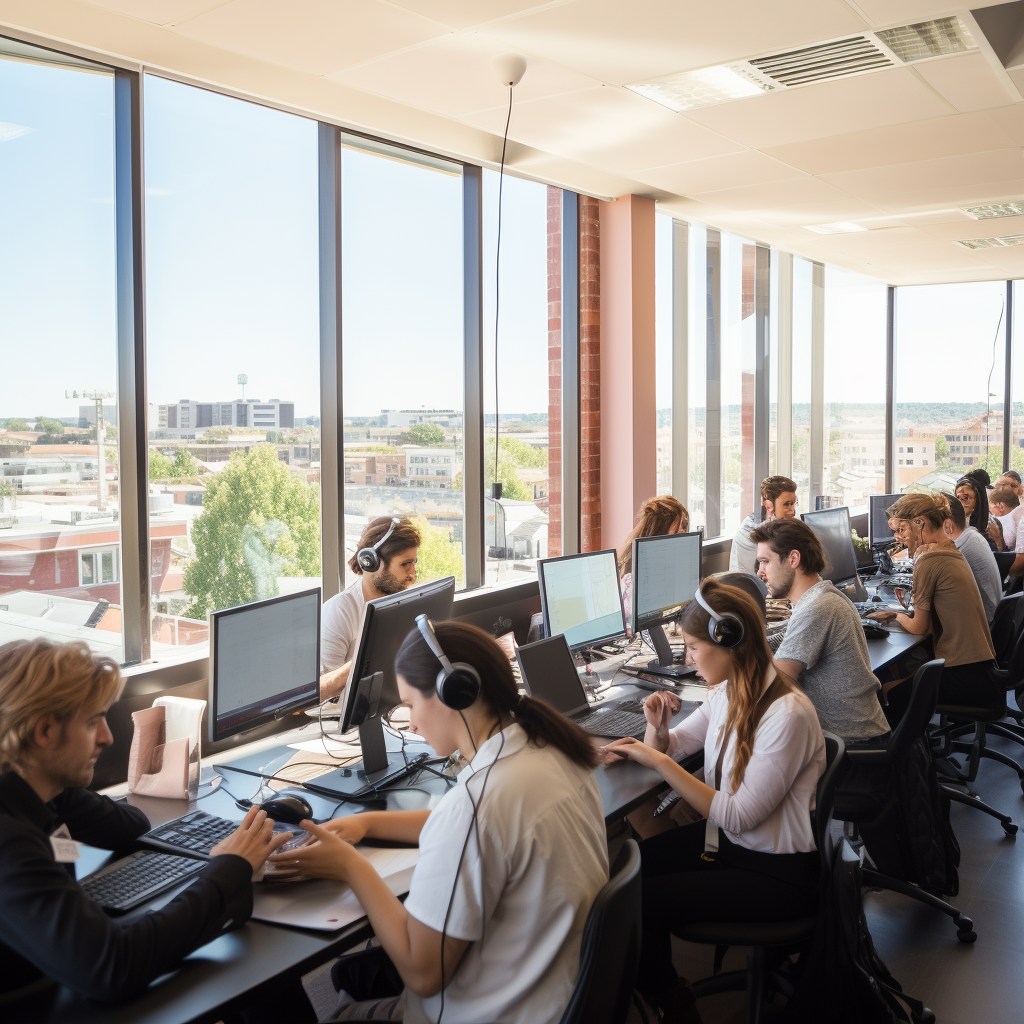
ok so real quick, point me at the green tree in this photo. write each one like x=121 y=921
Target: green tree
x=184 y=464
x=439 y=554
x=518 y=452
x=430 y=435
x=49 y=426
x=160 y=467
x=258 y=522
x=941 y=452
x=15 y=423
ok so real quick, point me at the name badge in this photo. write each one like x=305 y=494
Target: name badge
x=65 y=849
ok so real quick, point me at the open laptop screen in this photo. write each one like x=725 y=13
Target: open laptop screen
x=549 y=672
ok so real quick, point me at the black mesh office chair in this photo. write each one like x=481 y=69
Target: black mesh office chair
x=762 y=935
x=610 y=951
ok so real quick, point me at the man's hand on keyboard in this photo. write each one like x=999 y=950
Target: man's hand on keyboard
x=255 y=839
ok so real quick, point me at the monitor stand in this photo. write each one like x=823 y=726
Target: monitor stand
x=663 y=665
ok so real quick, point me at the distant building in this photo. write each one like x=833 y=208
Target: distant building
x=970 y=440
x=432 y=467
x=449 y=419
x=191 y=419
x=87 y=415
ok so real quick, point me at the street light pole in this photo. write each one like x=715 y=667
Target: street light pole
x=101 y=462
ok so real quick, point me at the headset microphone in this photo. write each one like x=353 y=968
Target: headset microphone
x=724 y=629
x=458 y=684
x=368 y=559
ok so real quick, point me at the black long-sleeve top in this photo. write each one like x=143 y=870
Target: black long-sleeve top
x=50 y=928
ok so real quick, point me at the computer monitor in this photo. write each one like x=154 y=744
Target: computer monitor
x=832 y=525
x=580 y=598
x=878 y=520
x=666 y=575
x=264 y=662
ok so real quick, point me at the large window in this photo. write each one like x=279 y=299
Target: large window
x=854 y=442
x=518 y=527
x=950 y=367
x=59 y=532
x=696 y=378
x=403 y=349
x=233 y=355
x=663 y=344
x=802 y=347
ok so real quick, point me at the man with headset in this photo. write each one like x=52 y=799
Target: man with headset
x=385 y=563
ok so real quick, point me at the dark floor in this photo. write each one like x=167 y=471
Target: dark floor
x=960 y=983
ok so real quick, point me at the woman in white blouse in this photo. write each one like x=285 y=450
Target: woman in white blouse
x=754 y=858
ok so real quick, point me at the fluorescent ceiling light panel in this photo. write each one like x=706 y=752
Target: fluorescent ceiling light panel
x=10 y=131
x=703 y=88
x=993 y=210
x=839 y=227
x=927 y=39
x=990 y=243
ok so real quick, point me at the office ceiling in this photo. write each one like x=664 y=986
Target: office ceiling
x=897 y=152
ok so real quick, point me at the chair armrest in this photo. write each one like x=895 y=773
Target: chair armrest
x=876 y=756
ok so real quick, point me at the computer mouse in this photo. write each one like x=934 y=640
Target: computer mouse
x=877 y=598
x=288 y=807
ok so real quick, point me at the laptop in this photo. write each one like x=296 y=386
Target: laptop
x=548 y=671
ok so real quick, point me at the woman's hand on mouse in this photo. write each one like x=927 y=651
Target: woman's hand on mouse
x=254 y=840
x=327 y=856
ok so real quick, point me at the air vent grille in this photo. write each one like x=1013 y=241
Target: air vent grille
x=993 y=210
x=991 y=243
x=852 y=56
x=927 y=39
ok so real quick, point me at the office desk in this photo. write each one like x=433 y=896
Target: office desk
x=899 y=641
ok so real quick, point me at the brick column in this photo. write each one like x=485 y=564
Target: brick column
x=590 y=373
x=554 y=269
x=629 y=453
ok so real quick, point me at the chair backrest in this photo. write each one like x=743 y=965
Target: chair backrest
x=1004 y=628
x=1004 y=559
x=924 y=695
x=1015 y=663
x=826 y=799
x=610 y=951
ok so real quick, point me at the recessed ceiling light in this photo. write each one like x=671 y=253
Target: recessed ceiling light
x=927 y=39
x=10 y=131
x=990 y=243
x=993 y=210
x=703 y=88
x=839 y=227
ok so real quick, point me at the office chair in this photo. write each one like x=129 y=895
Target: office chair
x=854 y=806
x=610 y=952
x=785 y=936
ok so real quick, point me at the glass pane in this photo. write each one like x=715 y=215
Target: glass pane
x=950 y=366
x=697 y=383
x=802 y=286
x=518 y=527
x=88 y=572
x=109 y=575
x=58 y=369
x=402 y=360
x=855 y=315
x=663 y=300
x=234 y=355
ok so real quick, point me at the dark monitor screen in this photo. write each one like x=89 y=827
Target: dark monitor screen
x=832 y=525
x=387 y=621
x=666 y=575
x=878 y=521
x=579 y=595
x=549 y=672
x=264 y=662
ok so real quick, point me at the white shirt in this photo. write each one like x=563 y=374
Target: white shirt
x=533 y=866
x=1009 y=527
x=340 y=622
x=771 y=810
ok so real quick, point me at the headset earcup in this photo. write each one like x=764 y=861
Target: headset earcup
x=728 y=631
x=459 y=688
x=368 y=560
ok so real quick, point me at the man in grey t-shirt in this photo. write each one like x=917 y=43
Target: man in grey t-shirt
x=979 y=555
x=824 y=648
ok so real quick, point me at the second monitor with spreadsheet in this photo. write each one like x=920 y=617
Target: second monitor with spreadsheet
x=579 y=596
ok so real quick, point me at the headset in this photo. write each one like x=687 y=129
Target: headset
x=368 y=559
x=724 y=629
x=458 y=685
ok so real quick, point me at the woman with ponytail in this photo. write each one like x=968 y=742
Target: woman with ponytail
x=511 y=858
x=754 y=858
x=658 y=517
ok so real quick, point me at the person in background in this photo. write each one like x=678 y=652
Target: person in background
x=1011 y=479
x=982 y=477
x=824 y=648
x=1003 y=522
x=53 y=704
x=947 y=604
x=343 y=614
x=979 y=555
x=778 y=501
x=903 y=529
x=754 y=858
x=657 y=517
x=974 y=498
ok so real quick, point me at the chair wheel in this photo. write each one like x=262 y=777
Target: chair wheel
x=1009 y=828
x=965 y=929
x=971 y=936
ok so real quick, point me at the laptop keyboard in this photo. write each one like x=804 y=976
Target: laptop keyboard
x=138 y=878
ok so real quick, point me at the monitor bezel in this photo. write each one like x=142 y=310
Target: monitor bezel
x=311 y=699
x=637 y=543
x=616 y=634
x=871 y=517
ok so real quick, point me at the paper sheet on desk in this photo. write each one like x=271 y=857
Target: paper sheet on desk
x=328 y=906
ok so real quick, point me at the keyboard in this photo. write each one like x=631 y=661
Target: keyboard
x=617 y=721
x=196 y=832
x=903 y=580
x=776 y=634
x=138 y=878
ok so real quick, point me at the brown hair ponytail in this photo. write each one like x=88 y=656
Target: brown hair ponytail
x=655 y=518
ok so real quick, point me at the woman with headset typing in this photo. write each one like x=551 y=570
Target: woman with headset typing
x=511 y=858
x=754 y=858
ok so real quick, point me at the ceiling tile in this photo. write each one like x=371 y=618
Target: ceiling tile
x=1010 y=120
x=945 y=172
x=462 y=14
x=159 y=12
x=772 y=195
x=819 y=213
x=968 y=227
x=899 y=143
x=950 y=198
x=967 y=81
x=315 y=36
x=720 y=172
x=867 y=101
x=620 y=44
x=906 y=12
x=610 y=127
x=453 y=75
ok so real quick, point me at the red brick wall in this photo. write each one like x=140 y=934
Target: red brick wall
x=554 y=265
x=590 y=374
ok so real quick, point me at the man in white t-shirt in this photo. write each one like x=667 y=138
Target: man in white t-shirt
x=778 y=501
x=342 y=615
x=1006 y=511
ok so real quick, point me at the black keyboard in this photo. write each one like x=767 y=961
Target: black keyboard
x=196 y=832
x=612 y=722
x=903 y=580
x=138 y=878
